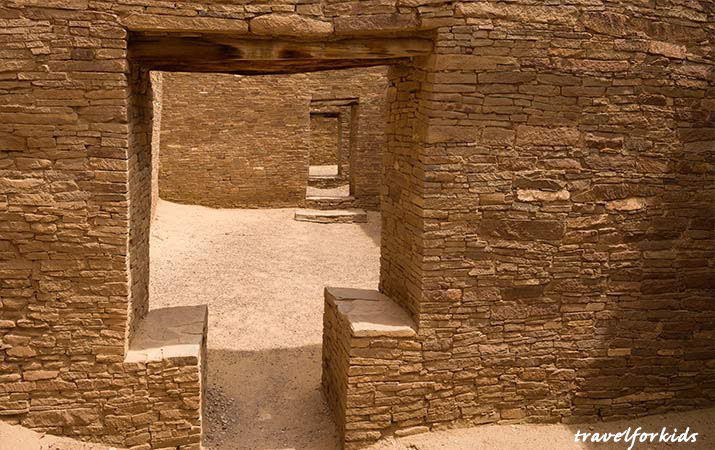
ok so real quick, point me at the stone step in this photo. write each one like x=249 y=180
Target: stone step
x=326 y=181
x=331 y=215
x=329 y=202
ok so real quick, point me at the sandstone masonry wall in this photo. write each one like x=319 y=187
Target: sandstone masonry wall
x=157 y=97
x=231 y=141
x=547 y=204
x=324 y=134
x=245 y=141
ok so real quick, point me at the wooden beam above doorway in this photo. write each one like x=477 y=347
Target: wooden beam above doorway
x=228 y=54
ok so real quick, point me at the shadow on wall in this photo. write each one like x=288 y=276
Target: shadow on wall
x=653 y=315
x=267 y=399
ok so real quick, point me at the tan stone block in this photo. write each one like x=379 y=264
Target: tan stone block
x=514 y=413
x=21 y=352
x=59 y=4
x=446 y=133
x=628 y=204
x=668 y=49
x=497 y=136
x=10 y=142
x=289 y=25
x=535 y=195
x=563 y=15
x=33 y=375
x=357 y=24
x=605 y=22
x=469 y=62
x=619 y=352
x=146 y=22
x=551 y=136
x=522 y=229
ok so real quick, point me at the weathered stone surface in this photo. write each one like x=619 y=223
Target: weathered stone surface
x=497 y=136
x=276 y=24
x=533 y=195
x=528 y=135
x=470 y=62
x=167 y=333
x=139 y=22
x=519 y=13
x=523 y=311
x=522 y=229
x=605 y=22
x=375 y=23
x=668 y=49
x=369 y=313
x=331 y=215
x=628 y=204
x=267 y=169
x=441 y=133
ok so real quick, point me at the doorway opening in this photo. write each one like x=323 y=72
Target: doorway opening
x=262 y=275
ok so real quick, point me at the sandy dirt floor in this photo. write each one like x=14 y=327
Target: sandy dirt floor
x=262 y=275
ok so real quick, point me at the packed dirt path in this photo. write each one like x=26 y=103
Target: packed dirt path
x=262 y=275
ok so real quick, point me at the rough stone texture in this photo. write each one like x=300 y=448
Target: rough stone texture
x=240 y=141
x=539 y=307
x=346 y=111
x=234 y=141
x=157 y=97
x=324 y=144
x=331 y=216
x=371 y=364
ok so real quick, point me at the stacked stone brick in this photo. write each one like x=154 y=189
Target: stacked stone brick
x=247 y=141
x=324 y=132
x=547 y=197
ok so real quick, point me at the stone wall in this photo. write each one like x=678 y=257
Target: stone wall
x=365 y=165
x=347 y=112
x=324 y=133
x=547 y=202
x=238 y=141
x=231 y=141
x=157 y=97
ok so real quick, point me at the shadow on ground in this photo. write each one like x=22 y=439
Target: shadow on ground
x=267 y=399
x=373 y=227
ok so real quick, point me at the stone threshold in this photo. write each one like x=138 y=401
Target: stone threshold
x=331 y=215
x=370 y=313
x=170 y=333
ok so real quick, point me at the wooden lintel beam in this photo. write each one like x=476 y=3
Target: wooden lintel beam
x=212 y=52
x=319 y=103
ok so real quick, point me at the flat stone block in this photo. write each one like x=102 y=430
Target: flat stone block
x=170 y=333
x=370 y=313
x=331 y=216
x=325 y=202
